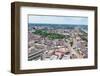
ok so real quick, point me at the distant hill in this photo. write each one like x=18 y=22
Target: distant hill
x=58 y=26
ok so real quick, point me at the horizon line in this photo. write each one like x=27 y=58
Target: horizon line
x=57 y=24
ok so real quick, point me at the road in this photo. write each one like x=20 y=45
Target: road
x=72 y=50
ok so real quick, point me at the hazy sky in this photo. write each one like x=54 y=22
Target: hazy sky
x=58 y=19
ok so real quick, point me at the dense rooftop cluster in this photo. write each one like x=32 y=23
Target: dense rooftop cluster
x=57 y=44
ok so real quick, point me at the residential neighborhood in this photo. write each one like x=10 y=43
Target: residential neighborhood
x=45 y=43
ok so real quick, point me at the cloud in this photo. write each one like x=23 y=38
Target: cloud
x=58 y=19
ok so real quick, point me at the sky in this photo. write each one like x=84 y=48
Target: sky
x=58 y=19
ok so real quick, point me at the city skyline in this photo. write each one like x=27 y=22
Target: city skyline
x=57 y=37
